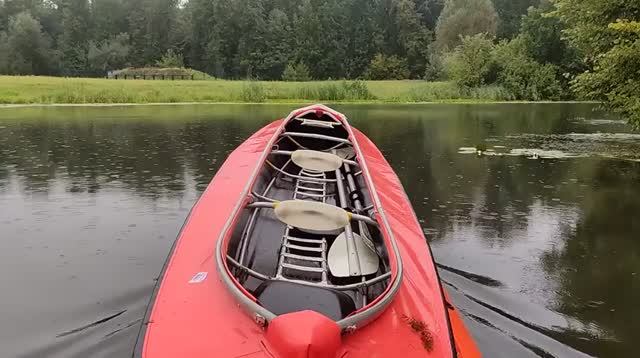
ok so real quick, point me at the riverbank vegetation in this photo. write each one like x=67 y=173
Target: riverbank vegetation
x=519 y=49
x=49 y=90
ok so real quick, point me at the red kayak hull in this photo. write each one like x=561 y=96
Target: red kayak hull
x=192 y=314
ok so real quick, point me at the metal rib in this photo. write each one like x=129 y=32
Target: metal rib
x=299 y=177
x=248 y=229
x=316 y=136
x=303 y=258
x=311 y=189
x=352 y=286
x=303 y=248
x=302 y=268
x=315 y=195
x=308 y=241
x=251 y=272
x=262 y=197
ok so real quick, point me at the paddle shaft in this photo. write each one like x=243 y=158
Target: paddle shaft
x=364 y=232
x=354 y=260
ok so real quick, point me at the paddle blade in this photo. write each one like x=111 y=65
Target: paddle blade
x=311 y=215
x=338 y=258
x=316 y=161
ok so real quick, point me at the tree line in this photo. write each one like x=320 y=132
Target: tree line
x=243 y=38
x=531 y=49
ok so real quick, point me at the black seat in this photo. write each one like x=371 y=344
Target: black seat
x=282 y=297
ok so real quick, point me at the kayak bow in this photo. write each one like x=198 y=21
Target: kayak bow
x=316 y=252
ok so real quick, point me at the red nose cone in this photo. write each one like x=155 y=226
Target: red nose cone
x=304 y=334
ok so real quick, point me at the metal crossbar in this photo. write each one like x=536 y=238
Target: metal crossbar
x=307 y=187
x=311 y=258
x=353 y=286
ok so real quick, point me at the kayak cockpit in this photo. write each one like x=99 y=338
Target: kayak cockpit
x=308 y=237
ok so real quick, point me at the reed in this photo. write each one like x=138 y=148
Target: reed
x=54 y=90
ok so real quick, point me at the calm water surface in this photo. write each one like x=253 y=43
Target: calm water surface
x=537 y=240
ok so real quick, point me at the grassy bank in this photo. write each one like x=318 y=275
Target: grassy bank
x=50 y=90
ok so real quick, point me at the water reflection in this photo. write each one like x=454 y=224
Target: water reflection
x=541 y=255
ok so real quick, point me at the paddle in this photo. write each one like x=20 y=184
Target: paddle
x=351 y=254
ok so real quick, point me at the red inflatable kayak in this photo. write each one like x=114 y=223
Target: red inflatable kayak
x=303 y=245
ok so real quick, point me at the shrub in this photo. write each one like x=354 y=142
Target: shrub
x=253 y=92
x=333 y=91
x=471 y=64
x=329 y=92
x=477 y=62
x=357 y=90
x=298 y=72
x=434 y=69
x=524 y=77
x=616 y=80
x=170 y=59
x=387 y=68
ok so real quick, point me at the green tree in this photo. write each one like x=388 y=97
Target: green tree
x=363 y=36
x=403 y=34
x=429 y=11
x=151 y=24
x=249 y=56
x=161 y=18
x=110 y=54
x=109 y=19
x=278 y=45
x=204 y=40
x=137 y=20
x=74 y=39
x=461 y=18
x=387 y=68
x=170 y=59
x=296 y=72
x=510 y=13
x=414 y=38
x=4 y=53
x=523 y=76
x=44 y=11
x=607 y=34
x=27 y=50
x=471 y=63
x=319 y=40
x=542 y=34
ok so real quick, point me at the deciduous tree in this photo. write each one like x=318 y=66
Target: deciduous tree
x=73 y=40
x=607 y=33
x=461 y=18
x=27 y=50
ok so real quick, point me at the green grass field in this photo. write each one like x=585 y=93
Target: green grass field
x=58 y=90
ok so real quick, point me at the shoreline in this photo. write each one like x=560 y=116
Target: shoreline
x=460 y=102
x=49 y=91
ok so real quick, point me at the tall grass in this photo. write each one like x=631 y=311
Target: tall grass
x=24 y=89
x=253 y=92
x=332 y=91
x=444 y=91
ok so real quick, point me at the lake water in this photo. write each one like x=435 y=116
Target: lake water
x=537 y=239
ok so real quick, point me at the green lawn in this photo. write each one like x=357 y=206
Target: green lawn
x=49 y=90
